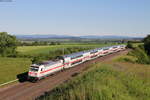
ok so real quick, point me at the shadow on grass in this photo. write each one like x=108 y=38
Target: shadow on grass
x=23 y=77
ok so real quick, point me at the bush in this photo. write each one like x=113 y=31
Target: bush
x=36 y=60
x=147 y=44
x=141 y=46
x=130 y=45
x=127 y=58
x=141 y=56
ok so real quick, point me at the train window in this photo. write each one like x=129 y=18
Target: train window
x=114 y=47
x=41 y=69
x=106 y=49
x=76 y=57
x=76 y=62
x=34 y=69
x=93 y=52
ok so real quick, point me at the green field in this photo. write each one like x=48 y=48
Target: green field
x=34 y=50
x=137 y=44
x=11 y=67
x=113 y=80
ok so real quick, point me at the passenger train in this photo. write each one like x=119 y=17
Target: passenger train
x=41 y=70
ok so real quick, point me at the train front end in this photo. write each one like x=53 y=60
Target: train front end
x=33 y=74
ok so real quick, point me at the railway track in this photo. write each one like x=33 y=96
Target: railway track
x=29 y=91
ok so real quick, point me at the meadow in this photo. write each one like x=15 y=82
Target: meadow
x=35 y=50
x=11 y=67
x=111 y=80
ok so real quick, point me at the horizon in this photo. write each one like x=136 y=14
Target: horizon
x=83 y=36
x=76 y=18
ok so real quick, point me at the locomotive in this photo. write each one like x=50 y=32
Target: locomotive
x=46 y=68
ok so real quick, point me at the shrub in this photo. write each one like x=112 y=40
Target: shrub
x=130 y=45
x=147 y=44
x=141 y=56
x=130 y=59
x=36 y=60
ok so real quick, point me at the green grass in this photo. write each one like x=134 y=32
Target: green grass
x=11 y=67
x=137 y=44
x=102 y=81
x=125 y=58
x=136 y=55
x=34 y=50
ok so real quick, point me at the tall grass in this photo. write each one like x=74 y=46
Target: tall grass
x=102 y=82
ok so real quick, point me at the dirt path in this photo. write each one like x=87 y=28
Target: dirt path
x=28 y=91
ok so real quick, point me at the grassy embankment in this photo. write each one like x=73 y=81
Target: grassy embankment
x=114 y=80
x=11 y=67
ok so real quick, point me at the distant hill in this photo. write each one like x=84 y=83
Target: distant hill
x=74 y=37
x=105 y=37
x=42 y=36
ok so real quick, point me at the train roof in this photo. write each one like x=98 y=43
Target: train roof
x=92 y=50
x=81 y=53
x=106 y=47
x=74 y=54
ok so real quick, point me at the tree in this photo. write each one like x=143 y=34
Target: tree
x=36 y=59
x=53 y=43
x=8 y=44
x=36 y=43
x=147 y=44
x=129 y=45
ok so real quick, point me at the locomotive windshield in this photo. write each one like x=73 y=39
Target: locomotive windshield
x=35 y=69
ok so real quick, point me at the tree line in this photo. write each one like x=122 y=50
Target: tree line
x=37 y=43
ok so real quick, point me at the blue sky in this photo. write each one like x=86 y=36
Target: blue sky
x=76 y=17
